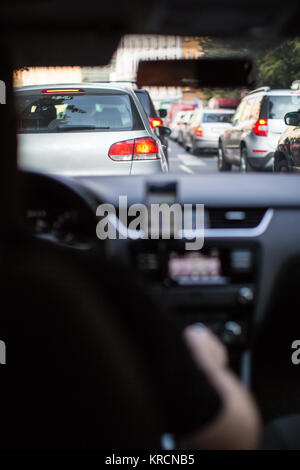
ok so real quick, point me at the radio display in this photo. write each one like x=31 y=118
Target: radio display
x=196 y=267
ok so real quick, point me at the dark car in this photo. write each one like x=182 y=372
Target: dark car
x=287 y=155
x=155 y=118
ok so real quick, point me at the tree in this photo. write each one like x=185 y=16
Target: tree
x=277 y=65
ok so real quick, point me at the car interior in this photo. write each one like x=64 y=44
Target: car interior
x=68 y=357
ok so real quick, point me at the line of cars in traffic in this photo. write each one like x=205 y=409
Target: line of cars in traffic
x=262 y=134
x=120 y=131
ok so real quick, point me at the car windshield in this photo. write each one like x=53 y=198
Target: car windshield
x=108 y=102
x=55 y=111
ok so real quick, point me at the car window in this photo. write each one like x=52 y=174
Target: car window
x=146 y=103
x=249 y=110
x=60 y=113
x=238 y=114
x=196 y=118
x=278 y=106
x=217 y=117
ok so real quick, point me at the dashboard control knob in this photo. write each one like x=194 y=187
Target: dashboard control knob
x=233 y=327
x=245 y=295
x=232 y=332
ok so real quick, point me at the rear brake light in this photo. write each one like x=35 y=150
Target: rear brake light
x=122 y=151
x=260 y=128
x=199 y=132
x=154 y=122
x=144 y=148
x=63 y=90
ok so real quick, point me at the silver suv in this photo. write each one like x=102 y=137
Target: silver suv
x=252 y=138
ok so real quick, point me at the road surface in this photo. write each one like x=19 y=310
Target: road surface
x=181 y=161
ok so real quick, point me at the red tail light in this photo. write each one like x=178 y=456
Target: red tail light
x=199 y=132
x=144 y=148
x=260 y=128
x=178 y=123
x=154 y=122
x=122 y=151
x=63 y=91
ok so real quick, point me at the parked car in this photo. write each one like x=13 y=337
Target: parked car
x=251 y=140
x=86 y=129
x=287 y=155
x=155 y=118
x=183 y=128
x=205 y=128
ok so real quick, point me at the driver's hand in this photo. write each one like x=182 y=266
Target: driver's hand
x=206 y=349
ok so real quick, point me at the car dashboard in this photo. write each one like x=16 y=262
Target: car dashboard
x=251 y=234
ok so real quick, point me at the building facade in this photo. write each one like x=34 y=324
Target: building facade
x=134 y=48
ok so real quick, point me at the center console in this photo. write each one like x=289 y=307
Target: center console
x=215 y=286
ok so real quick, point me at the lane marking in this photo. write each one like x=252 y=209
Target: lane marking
x=189 y=160
x=186 y=169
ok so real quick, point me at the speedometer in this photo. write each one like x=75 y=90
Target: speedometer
x=66 y=227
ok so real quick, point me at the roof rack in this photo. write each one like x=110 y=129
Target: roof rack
x=263 y=88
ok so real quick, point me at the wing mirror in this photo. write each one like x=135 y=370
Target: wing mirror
x=162 y=113
x=162 y=131
x=292 y=119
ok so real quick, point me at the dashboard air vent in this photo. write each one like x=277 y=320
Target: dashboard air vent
x=235 y=217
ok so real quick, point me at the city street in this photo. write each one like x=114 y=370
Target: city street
x=181 y=161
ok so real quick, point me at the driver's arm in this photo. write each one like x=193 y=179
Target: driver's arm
x=237 y=426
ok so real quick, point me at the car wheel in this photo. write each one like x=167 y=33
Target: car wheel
x=223 y=165
x=194 y=149
x=244 y=165
x=283 y=166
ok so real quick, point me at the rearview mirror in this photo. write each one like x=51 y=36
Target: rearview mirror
x=292 y=119
x=196 y=73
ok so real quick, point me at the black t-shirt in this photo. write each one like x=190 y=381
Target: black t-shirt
x=186 y=399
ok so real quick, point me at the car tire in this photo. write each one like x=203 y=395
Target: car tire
x=223 y=165
x=194 y=149
x=282 y=166
x=244 y=165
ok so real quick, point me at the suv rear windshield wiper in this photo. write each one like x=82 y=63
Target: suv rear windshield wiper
x=78 y=127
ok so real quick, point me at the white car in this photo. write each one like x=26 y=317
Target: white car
x=86 y=129
x=205 y=128
x=176 y=125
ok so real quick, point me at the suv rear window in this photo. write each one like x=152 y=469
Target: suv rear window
x=217 y=117
x=278 y=106
x=76 y=112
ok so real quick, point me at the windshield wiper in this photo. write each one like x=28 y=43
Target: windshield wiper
x=78 y=127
